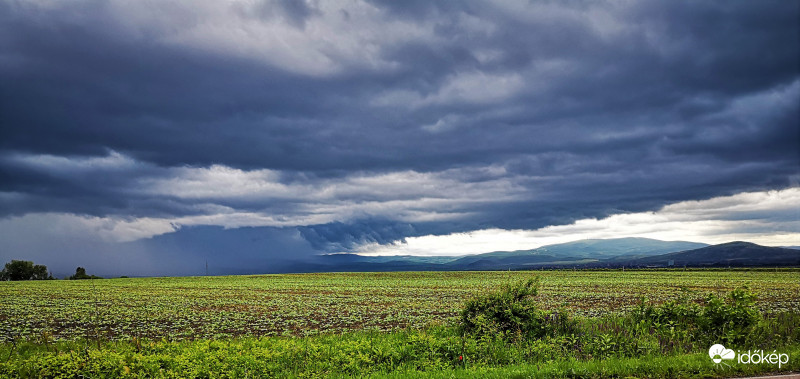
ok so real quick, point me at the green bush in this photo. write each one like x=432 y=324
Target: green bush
x=670 y=313
x=717 y=321
x=507 y=313
x=730 y=321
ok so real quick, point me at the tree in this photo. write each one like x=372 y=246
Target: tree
x=24 y=270
x=80 y=273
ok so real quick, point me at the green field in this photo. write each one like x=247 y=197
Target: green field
x=353 y=313
x=213 y=307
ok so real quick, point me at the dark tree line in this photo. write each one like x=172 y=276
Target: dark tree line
x=24 y=270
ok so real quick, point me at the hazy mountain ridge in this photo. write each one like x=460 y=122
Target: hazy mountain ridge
x=591 y=249
x=737 y=253
x=610 y=253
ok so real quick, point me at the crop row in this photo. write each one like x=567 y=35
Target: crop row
x=302 y=304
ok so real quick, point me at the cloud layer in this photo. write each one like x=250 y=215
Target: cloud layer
x=768 y=218
x=371 y=121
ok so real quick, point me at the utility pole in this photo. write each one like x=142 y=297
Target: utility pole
x=206 y=267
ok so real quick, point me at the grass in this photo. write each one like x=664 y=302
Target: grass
x=421 y=353
x=678 y=366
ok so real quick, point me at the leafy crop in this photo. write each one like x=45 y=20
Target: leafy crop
x=654 y=340
x=308 y=304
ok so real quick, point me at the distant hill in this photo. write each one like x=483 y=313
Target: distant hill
x=355 y=262
x=576 y=252
x=408 y=259
x=727 y=254
x=609 y=253
x=606 y=248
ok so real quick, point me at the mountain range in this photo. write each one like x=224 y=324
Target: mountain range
x=732 y=254
x=217 y=251
x=592 y=253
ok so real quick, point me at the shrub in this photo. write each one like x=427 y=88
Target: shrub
x=670 y=313
x=730 y=321
x=718 y=320
x=507 y=313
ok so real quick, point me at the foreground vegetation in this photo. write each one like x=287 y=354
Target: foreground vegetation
x=514 y=332
x=433 y=353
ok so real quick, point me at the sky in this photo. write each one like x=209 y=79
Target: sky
x=149 y=137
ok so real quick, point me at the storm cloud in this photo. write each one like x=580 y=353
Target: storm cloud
x=357 y=122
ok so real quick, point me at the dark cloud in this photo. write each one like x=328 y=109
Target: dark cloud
x=244 y=250
x=544 y=113
x=184 y=252
x=341 y=237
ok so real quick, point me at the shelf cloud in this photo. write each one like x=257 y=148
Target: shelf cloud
x=354 y=124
